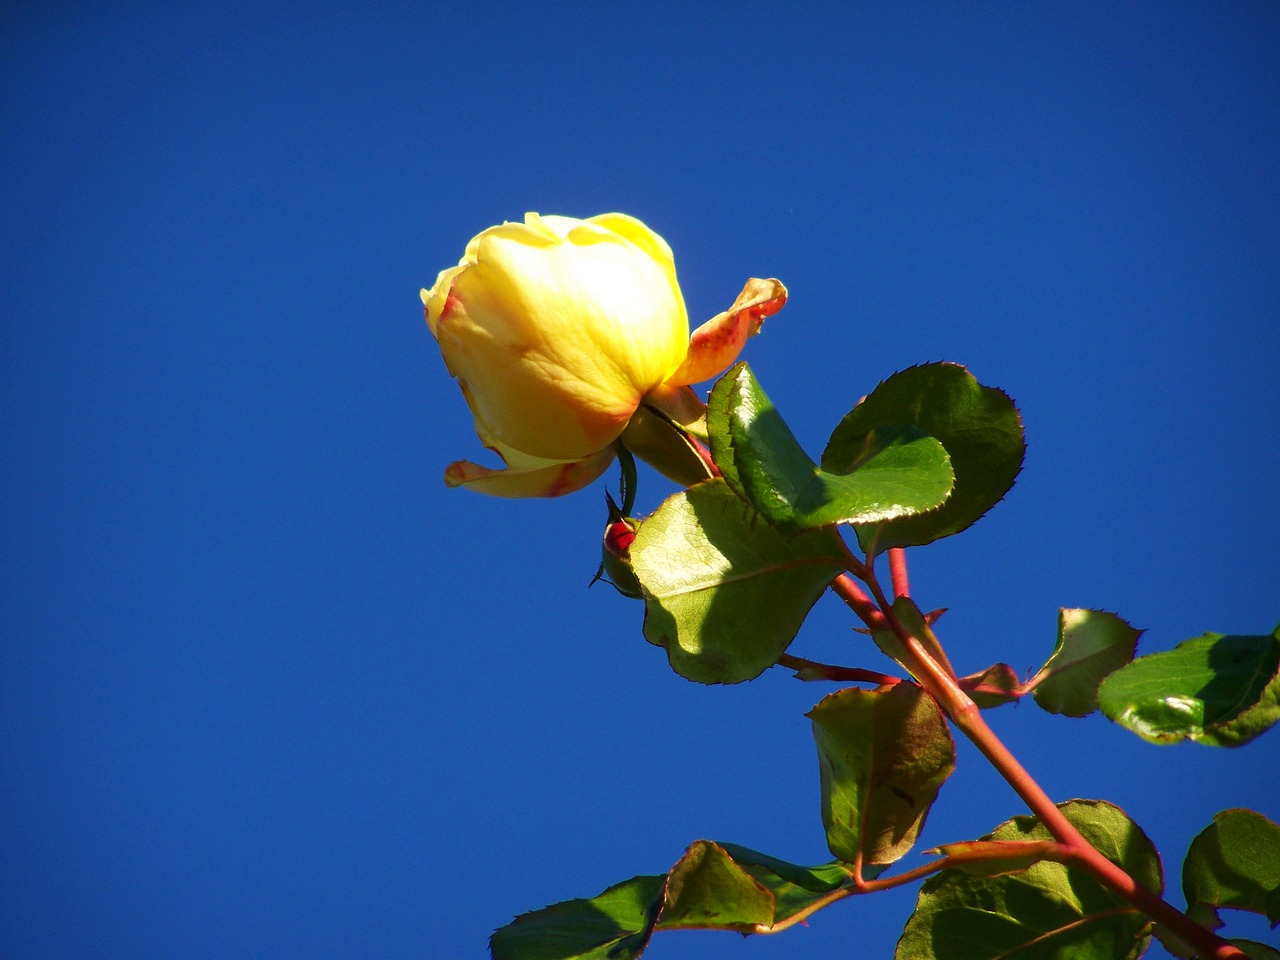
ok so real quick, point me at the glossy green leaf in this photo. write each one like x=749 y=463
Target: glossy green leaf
x=1235 y=862
x=725 y=886
x=882 y=756
x=979 y=427
x=895 y=471
x=1222 y=690
x=1046 y=912
x=616 y=925
x=725 y=592
x=1091 y=645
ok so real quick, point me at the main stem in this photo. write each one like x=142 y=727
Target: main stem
x=966 y=715
x=970 y=720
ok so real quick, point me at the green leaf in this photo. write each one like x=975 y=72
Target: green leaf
x=1046 y=912
x=616 y=925
x=979 y=427
x=725 y=593
x=1091 y=645
x=720 y=886
x=1235 y=862
x=725 y=886
x=895 y=470
x=993 y=687
x=1222 y=690
x=706 y=888
x=882 y=756
x=795 y=887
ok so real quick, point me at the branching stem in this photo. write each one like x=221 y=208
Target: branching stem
x=876 y=612
x=861 y=604
x=1076 y=849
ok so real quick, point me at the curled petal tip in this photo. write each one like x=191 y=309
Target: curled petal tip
x=717 y=343
x=554 y=480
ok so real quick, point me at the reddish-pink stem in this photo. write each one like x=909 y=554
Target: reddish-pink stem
x=969 y=719
x=966 y=715
x=898 y=572
x=876 y=614
x=861 y=604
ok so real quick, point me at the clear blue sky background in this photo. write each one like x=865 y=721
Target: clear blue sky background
x=270 y=690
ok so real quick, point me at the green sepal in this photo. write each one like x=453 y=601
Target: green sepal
x=725 y=592
x=1216 y=689
x=618 y=574
x=895 y=470
x=1046 y=912
x=665 y=445
x=1091 y=645
x=978 y=426
x=882 y=757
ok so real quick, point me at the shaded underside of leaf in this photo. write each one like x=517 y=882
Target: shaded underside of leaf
x=1235 y=862
x=714 y=886
x=725 y=592
x=706 y=888
x=616 y=925
x=1046 y=912
x=882 y=756
x=1091 y=645
x=1221 y=690
x=729 y=887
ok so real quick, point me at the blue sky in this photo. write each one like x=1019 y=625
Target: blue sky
x=271 y=690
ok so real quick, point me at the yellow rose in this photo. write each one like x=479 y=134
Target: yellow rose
x=557 y=330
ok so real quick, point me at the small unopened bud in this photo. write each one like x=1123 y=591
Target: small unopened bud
x=615 y=567
x=618 y=537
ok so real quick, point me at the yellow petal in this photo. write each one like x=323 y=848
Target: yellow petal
x=554 y=480
x=717 y=343
x=556 y=342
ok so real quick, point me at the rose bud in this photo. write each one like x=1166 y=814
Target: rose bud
x=558 y=329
